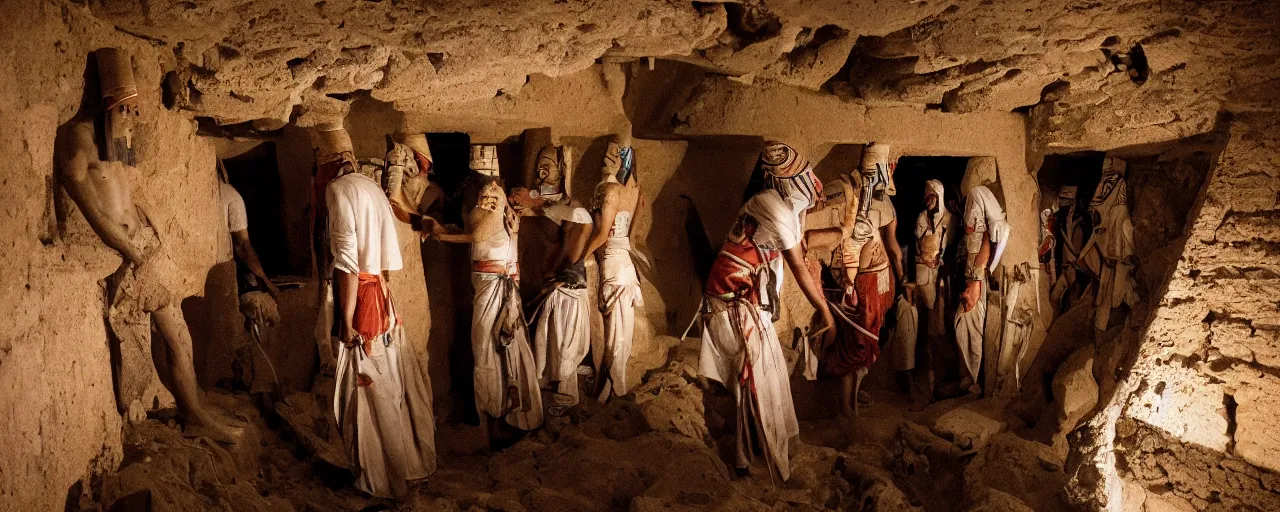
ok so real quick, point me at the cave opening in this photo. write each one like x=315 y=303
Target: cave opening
x=255 y=174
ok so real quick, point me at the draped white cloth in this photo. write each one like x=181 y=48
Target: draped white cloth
x=362 y=229
x=388 y=428
x=969 y=328
x=619 y=297
x=902 y=351
x=731 y=332
x=984 y=214
x=562 y=337
x=506 y=377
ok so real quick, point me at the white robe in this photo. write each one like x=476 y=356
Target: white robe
x=562 y=332
x=562 y=339
x=723 y=352
x=387 y=426
x=969 y=329
x=619 y=297
x=502 y=370
x=723 y=356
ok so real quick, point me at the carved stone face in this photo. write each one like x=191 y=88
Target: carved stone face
x=491 y=197
x=877 y=169
x=551 y=167
x=1110 y=190
x=619 y=162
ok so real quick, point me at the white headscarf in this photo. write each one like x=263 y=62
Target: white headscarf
x=984 y=214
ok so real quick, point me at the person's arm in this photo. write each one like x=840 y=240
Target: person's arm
x=244 y=251
x=347 y=285
x=481 y=225
x=975 y=271
x=77 y=158
x=600 y=232
x=795 y=260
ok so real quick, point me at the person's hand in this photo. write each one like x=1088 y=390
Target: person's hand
x=850 y=296
x=909 y=291
x=828 y=323
x=400 y=212
x=969 y=297
x=429 y=227
x=347 y=335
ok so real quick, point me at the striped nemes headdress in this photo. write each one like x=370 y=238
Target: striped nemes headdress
x=789 y=172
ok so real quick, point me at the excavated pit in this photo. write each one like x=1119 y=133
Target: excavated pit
x=1170 y=407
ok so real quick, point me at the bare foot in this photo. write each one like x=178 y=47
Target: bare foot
x=217 y=430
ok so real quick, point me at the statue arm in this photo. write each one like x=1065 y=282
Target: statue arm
x=889 y=233
x=75 y=164
x=600 y=232
x=481 y=224
x=824 y=239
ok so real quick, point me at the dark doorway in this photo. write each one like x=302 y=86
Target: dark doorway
x=910 y=176
x=1082 y=169
x=256 y=176
x=445 y=267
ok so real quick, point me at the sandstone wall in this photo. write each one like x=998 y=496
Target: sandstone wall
x=1206 y=374
x=60 y=418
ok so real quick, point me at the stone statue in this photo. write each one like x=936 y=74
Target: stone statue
x=138 y=293
x=506 y=380
x=1069 y=237
x=407 y=181
x=1108 y=255
x=935 y=226
x=617 y=201
x=562 y=329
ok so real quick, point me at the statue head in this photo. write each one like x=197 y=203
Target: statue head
x=119 y=102
x=413 y=146
x=619 y=160
x=552 y=170
x=877 y=170
x=933 y=195
x=491 y=197
x=788 y=171
x=1111 y=191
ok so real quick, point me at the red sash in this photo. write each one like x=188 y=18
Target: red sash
x=372 y=304
x=733 y=274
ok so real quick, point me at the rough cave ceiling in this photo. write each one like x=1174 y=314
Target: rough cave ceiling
x=274 y=60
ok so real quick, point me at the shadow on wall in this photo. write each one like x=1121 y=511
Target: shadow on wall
x=712 y=175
